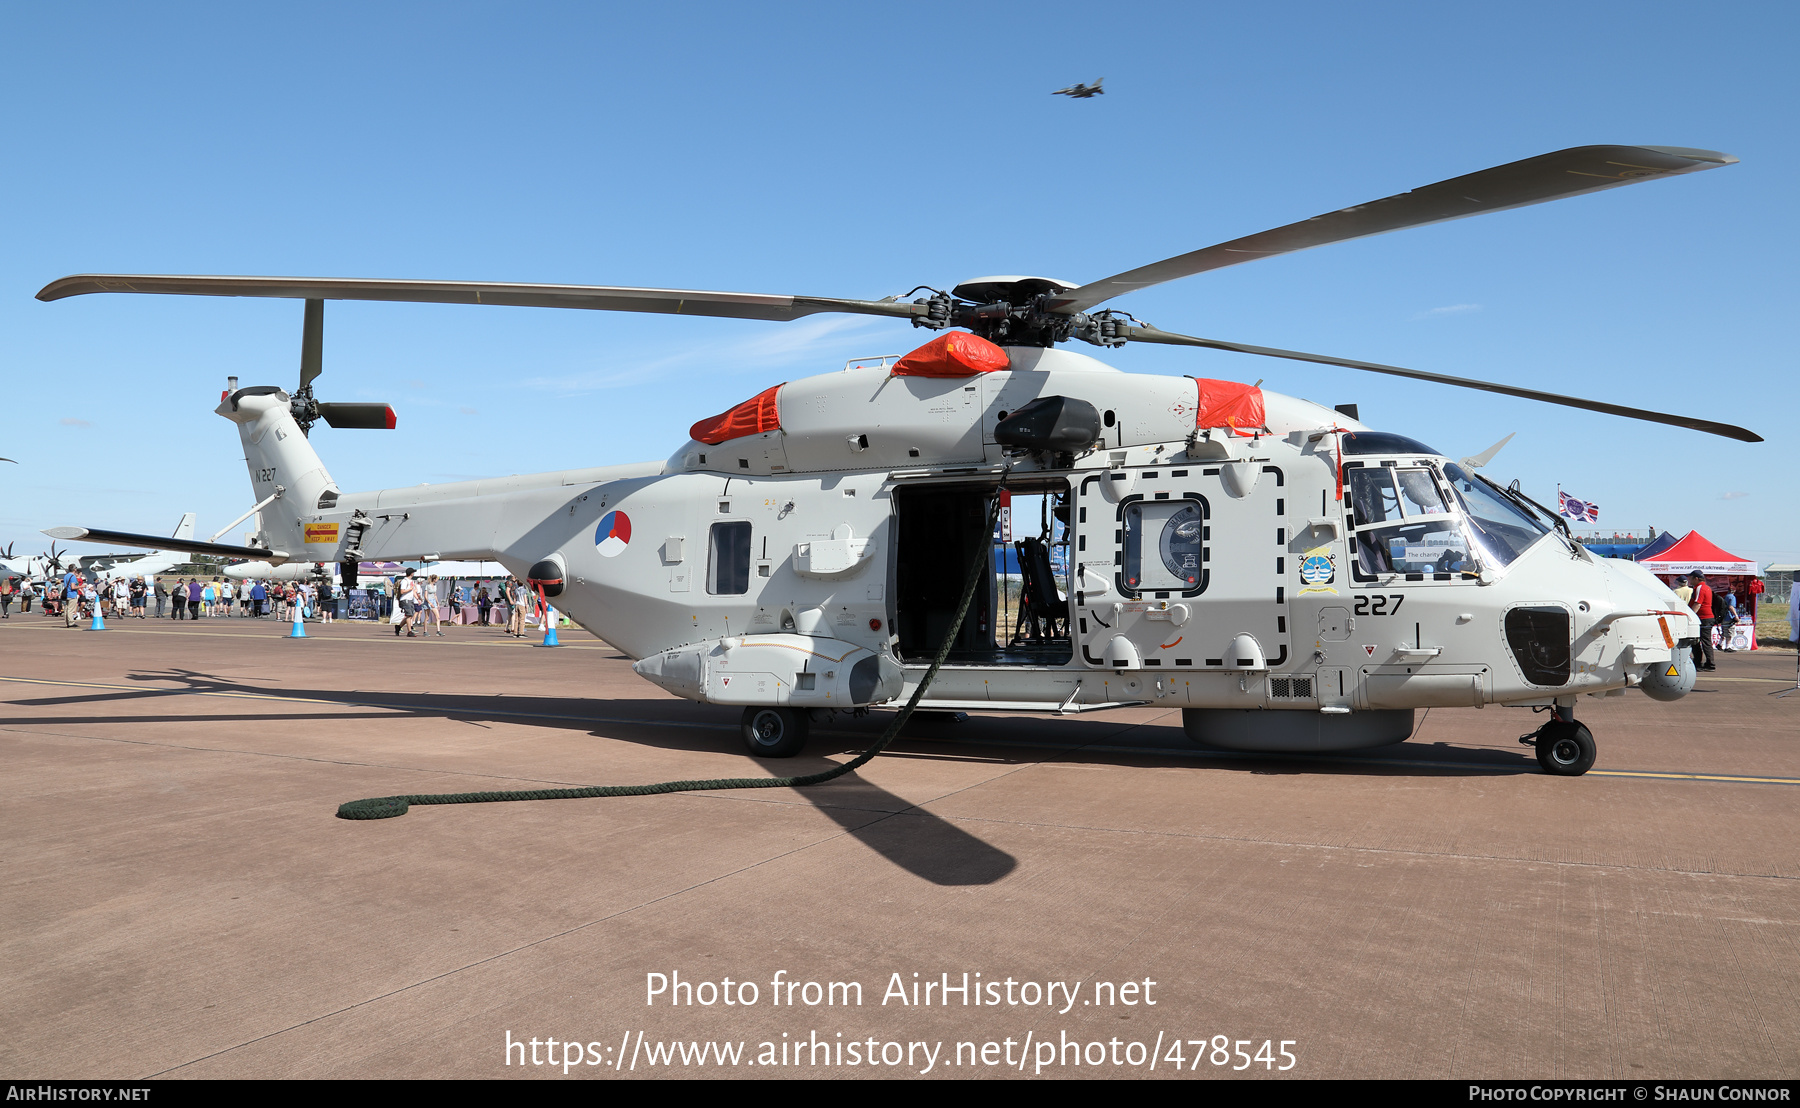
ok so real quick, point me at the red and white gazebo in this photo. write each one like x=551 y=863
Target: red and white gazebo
x=1725 y=573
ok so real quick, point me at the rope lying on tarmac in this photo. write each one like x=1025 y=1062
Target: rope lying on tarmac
x=387 y=807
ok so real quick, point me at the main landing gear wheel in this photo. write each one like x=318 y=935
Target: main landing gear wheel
x=1565 y=748
x=775 y=732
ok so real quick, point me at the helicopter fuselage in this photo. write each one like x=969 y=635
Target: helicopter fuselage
x=1302 y=584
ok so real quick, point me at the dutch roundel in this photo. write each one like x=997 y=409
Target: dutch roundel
x=613 y=534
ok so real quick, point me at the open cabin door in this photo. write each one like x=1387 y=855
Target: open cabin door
x=1019 y=615
x=1182 y=567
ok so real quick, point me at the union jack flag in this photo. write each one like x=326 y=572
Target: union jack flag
x=1579 y=510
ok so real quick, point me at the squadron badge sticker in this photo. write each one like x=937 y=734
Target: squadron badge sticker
x=613 y=535
x=1318 y=569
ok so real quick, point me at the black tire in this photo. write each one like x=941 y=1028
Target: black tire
x=1565 y=748
x=774 y=732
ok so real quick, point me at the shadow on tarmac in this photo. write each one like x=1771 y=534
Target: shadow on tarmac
x=906 y=835
x=901 y=832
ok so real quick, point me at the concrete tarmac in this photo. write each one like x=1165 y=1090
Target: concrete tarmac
x=179 y=899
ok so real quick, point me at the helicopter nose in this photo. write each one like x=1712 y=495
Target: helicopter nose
x=1634 y=586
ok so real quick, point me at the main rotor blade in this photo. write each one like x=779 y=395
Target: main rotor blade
x=1551 y=176
x=733 y=305
x=1151 y=334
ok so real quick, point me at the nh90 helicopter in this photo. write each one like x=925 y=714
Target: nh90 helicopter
x=1290 y=578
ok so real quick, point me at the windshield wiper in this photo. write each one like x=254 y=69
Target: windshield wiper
x=1512 y=492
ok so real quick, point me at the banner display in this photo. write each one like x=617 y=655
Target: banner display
x=362 y=604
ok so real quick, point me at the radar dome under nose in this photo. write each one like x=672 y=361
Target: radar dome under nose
x=1670 y=680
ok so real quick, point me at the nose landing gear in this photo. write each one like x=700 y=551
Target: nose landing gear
x=1565 y=748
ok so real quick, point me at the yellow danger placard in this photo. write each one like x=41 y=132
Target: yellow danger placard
x=321 y=532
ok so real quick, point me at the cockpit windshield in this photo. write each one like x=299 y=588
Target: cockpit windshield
x=1502 y=528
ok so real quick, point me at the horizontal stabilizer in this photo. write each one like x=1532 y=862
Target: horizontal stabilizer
x=164 y=542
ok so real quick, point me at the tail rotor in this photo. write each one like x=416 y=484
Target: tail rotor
x=306 y=409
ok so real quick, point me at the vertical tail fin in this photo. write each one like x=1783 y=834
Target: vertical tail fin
x=283 y=465
x=184 y=529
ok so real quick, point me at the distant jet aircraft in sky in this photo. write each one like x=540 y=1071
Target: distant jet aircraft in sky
x=1082 y=92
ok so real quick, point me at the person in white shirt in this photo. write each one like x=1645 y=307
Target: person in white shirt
x=432 y=594
x=412 y=598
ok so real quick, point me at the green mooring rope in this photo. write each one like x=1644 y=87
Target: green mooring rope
x=386 y=807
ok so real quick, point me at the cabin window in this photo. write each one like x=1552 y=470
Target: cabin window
x=1163 y=547
x=728 y=559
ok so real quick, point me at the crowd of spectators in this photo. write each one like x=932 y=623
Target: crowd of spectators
x=75 y=596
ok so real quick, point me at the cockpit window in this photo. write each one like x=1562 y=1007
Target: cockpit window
x=1502 y=529
x=1403 y=524
x=1390 y=493
x=1372 y=496
x=1419 y=492
x=1416 y=548
x=1382 y=442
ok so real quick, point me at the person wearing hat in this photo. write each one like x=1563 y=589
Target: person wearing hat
x=1702 y=603
x=407 y=599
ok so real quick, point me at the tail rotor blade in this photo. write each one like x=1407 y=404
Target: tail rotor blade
x=312 y=344
x=365 y=417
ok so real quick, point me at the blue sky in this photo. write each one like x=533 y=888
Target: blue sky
x=860 y=150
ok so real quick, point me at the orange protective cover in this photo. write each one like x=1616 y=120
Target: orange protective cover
x=752 y=417
x=1229 y=404
x=957 y=354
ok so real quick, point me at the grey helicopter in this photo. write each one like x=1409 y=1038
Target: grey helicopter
x=1290 y=578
